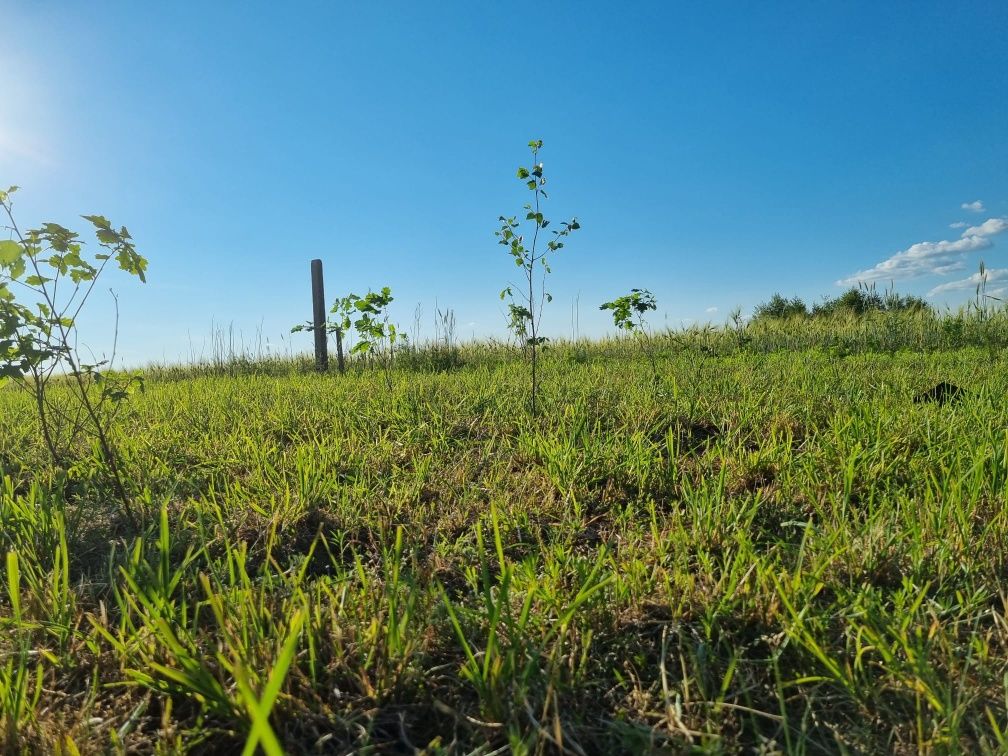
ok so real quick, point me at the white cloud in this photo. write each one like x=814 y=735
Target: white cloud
x=958 y=224
x=918 y=260
x=976 y=206
x=952 y=267
x=930 y=258
x=711 y=309
x=989 y=227
x=993 y=274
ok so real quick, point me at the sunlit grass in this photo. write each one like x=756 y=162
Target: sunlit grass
x=773 y=548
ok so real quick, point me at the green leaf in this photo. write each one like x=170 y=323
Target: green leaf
x=10 y=252
x=522 y=174
x=261 y=733
x=78 y=275
x=17 y=269
x=14 y=585
x=98 y=221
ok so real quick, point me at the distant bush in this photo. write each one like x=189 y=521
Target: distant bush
x=779 y=308
x=860 y=301
x=856 y=301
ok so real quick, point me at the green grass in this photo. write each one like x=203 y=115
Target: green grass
x=778 y=550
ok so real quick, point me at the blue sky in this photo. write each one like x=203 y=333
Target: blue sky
x=714 y=153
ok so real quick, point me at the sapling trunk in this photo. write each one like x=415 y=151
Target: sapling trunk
x=525 y=318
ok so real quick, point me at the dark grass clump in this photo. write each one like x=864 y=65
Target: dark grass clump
x=941 y=394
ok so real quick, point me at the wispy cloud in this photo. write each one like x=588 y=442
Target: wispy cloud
x=992 y=274
x=711 y=310
x=919 y=259
x=989 y=227
x=976 y=206
x=931 y=257
x=952 y=267
x=958 y=224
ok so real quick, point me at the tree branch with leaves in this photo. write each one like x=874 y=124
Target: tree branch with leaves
x=45 y=282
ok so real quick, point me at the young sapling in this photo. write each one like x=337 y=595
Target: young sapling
x=527 y=300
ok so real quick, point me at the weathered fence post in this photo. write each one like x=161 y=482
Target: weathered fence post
x=319 y=317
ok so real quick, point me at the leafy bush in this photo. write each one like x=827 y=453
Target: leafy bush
x=857 y=301
x=779 y=308
x=864 y=299
x=377 y=335
x=628 y=314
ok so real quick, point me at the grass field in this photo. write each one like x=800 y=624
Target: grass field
x=774 y=551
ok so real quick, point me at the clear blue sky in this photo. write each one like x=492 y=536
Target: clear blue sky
x=714 y=153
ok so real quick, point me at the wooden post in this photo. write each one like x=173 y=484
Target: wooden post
x=318 y=317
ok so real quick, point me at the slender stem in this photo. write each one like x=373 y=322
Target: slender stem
x=39 y=393
x=533 y=315
x=106 y=446
x=646 y=345
x=339 y=351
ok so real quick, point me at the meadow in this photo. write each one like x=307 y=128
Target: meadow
x=772 y=548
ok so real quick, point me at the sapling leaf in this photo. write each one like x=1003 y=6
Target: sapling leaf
x=10 y=252
x=99 y=221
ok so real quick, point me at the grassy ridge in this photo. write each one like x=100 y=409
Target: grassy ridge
x=775 y=550
x=842 y=333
